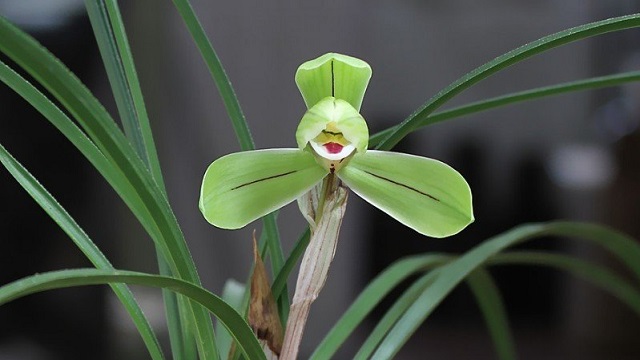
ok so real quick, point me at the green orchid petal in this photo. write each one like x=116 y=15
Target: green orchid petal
x=241 y=187
x=424 y=194
x=340 y=76
x=334 y=115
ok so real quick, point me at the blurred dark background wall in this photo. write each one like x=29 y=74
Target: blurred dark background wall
x=570 y=157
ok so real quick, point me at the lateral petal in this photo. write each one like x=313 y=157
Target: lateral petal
x=241 y=187
x=424 y=194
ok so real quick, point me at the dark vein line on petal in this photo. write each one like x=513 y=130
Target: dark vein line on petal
x=403 y=185
x=264 y=179
x=333 y=81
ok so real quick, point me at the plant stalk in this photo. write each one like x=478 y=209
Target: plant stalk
x=327 y=213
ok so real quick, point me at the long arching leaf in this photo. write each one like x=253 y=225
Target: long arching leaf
x=503 y=61
x=111 y=37
x=398 y=308
x=371 y=296
x=217 y=72
x=232 y=105
x=623 y=247
x=236 y=325
x=516 y=97
x=84 y=243
x=108 y=28
x=148 y=202
x=494 y=313
x=597 y=275
x=486 y=294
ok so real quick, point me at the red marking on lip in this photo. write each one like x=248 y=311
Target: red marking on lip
x=333 y=148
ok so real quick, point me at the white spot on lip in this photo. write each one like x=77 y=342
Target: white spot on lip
x=322 y=151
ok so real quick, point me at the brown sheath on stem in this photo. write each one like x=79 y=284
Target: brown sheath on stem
x=263 y=312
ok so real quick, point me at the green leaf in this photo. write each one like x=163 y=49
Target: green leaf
x=116 y=55
x=623 y=247
x=217 y=71
x=488 y=299
x=484 y=291
x=67 y=127
x=513 y=98
x=281 y=278
x=84 y=243
x=241 y=187
x=395 y=311
x=493 y=310
x=503 y=61
x=135 y=117
x=597 y=275
x=238 y=120
x=336 y=75
x=113 y=63
x=87 y=110
x=236 y=325
x=277 y=261
x=73 y=133
x=424 y=194
x=370 y=297
x=147 y=201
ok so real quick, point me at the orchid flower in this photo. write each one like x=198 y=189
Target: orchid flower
x=424 y=194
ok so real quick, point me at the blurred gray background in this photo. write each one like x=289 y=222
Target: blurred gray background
x=571 y=157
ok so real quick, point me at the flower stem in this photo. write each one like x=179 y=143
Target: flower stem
x=316 y=261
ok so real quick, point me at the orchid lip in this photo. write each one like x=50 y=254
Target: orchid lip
x=333 y=148
x=328 y=151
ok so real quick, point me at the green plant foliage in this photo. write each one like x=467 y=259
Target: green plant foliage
x=451 y=274
x=503 y=61
x=145 y=199
x=235 y=324
x=595 y=274
x=371 y=296
x=84 y=243
x=514 y=98
x=332 y=87
x=493 y=310
x=118 y=60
